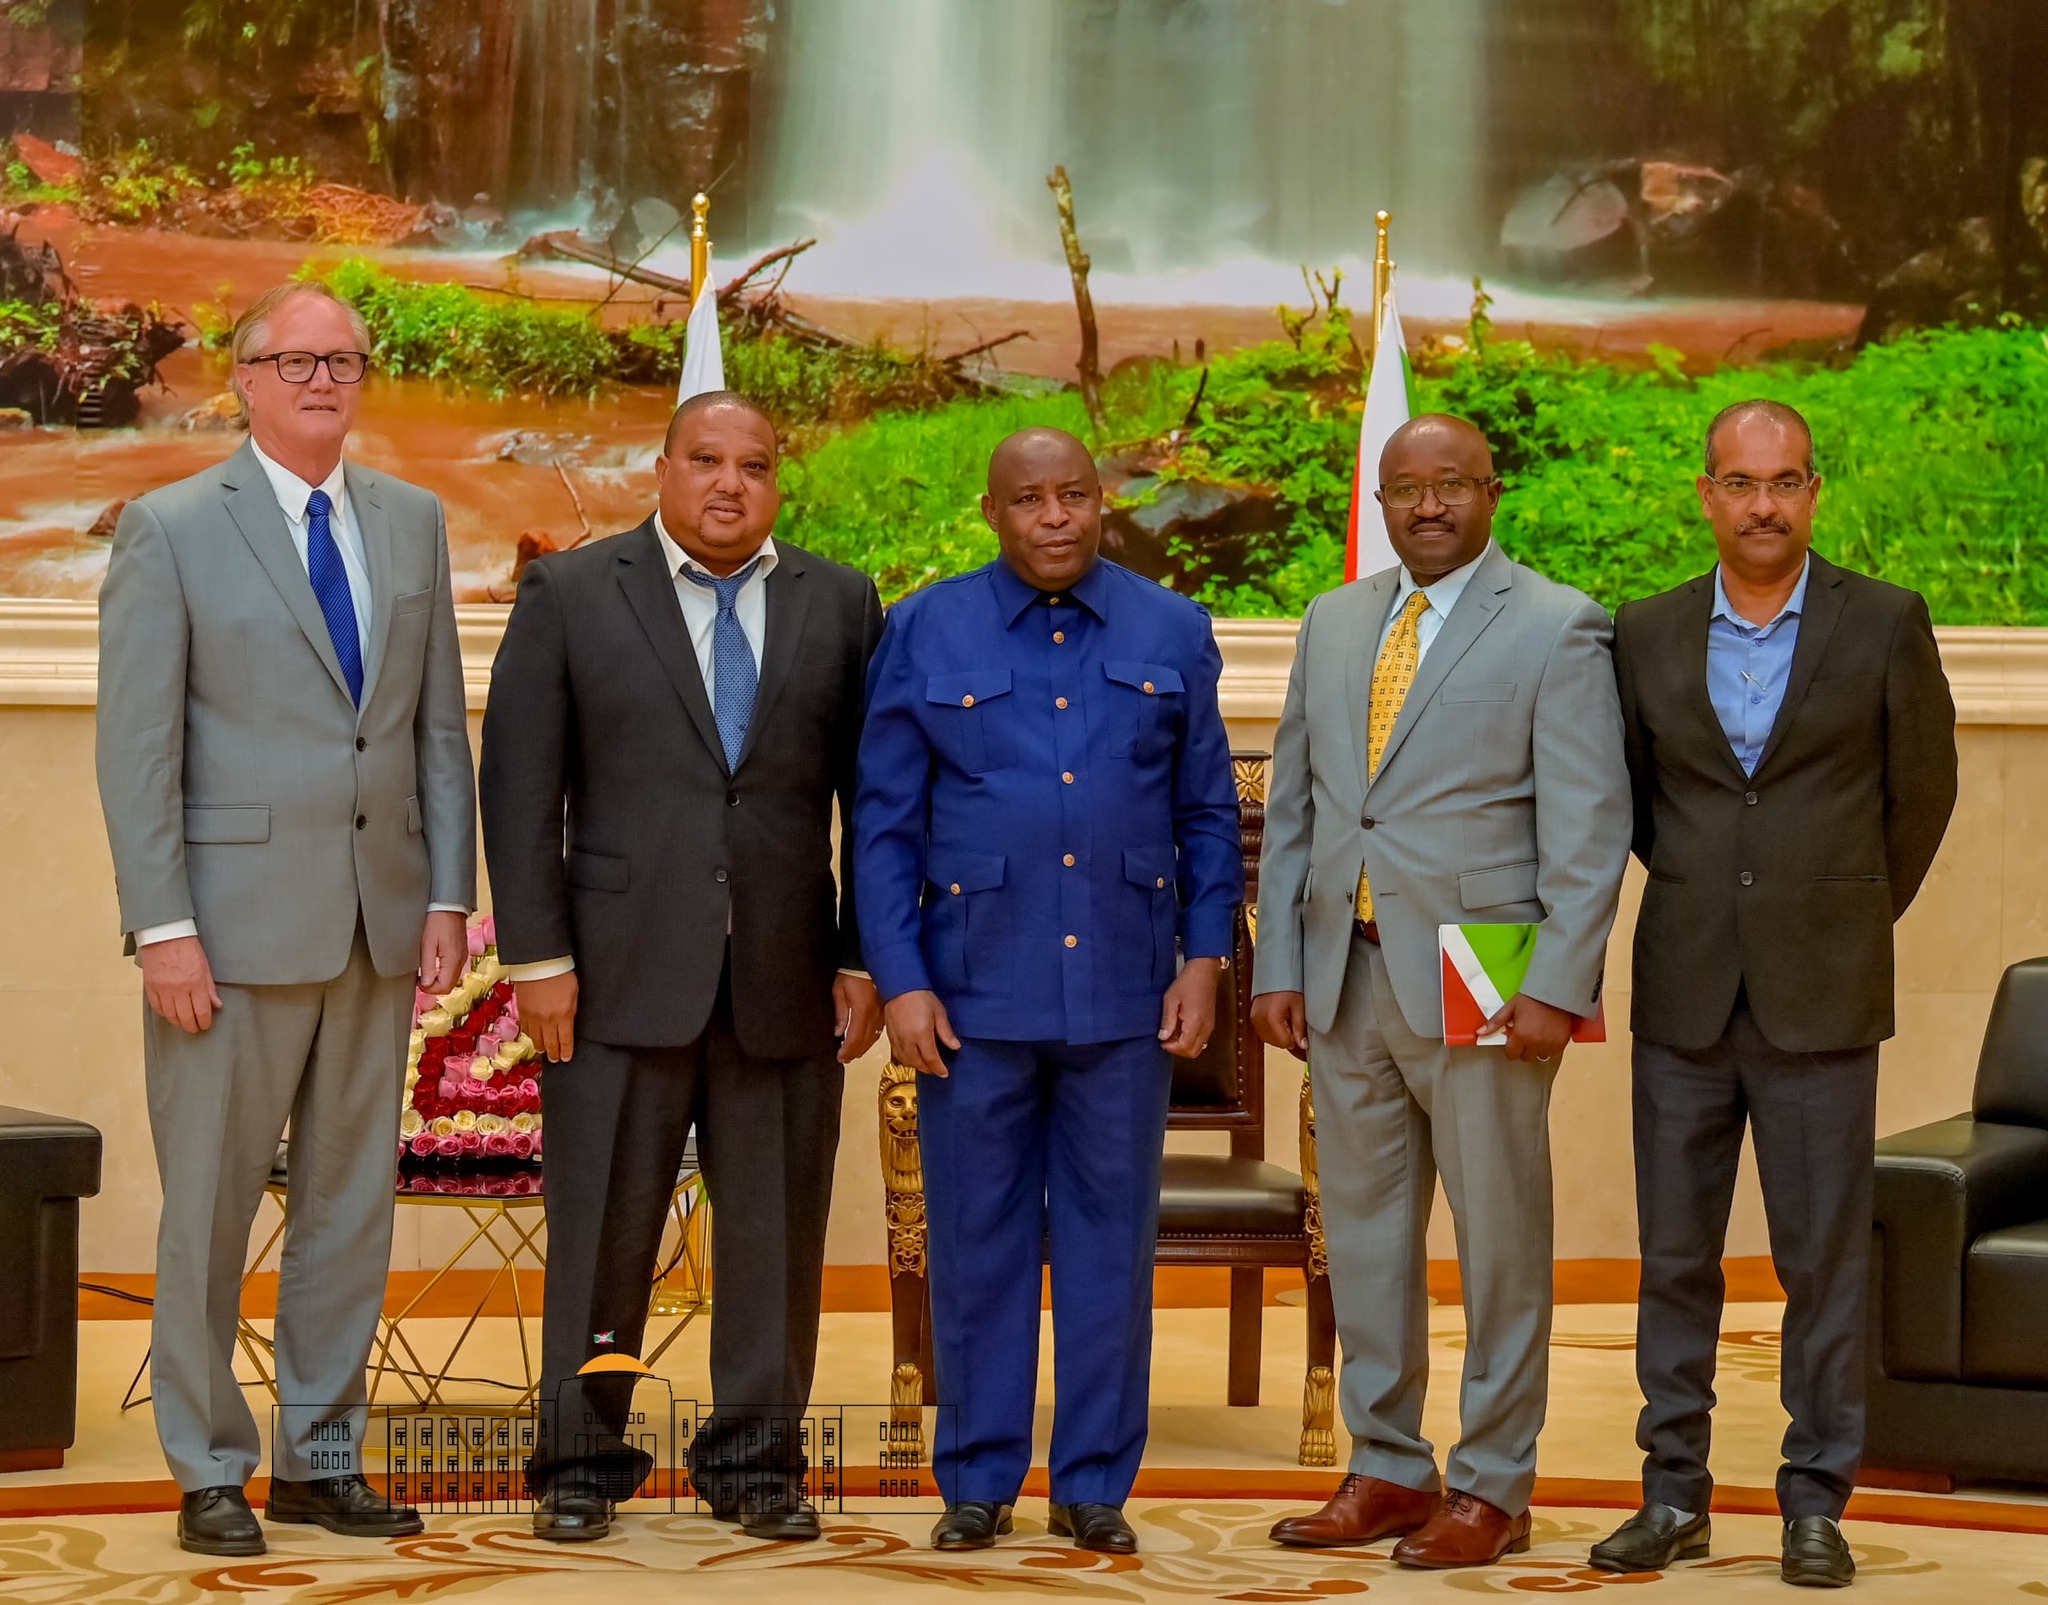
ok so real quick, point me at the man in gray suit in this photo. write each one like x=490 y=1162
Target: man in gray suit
x=1450 y=753
x=284 y=767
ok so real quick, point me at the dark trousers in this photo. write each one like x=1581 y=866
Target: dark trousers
x=1025 y=1140
x=1814 y=1120
x=617 y=1120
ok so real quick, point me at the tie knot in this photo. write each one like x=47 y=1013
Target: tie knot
x=727 y=589
x=318 y=505
x=1417 y=602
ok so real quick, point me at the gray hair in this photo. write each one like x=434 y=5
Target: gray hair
x=1759 y=406
x=252 y=329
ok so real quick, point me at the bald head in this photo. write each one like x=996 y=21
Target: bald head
x=714 y=401
x=1044 y=502
x=1437 y=492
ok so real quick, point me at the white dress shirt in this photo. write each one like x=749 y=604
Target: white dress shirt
x=700 y=602
x=293 y=493
x=1443 y=595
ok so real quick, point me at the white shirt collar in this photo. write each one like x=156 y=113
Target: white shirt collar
x=293 y=492
x=678 y=559
x=1443 y=594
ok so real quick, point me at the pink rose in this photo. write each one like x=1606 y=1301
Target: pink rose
x=486 y=928
x=421 y=1002
x=530 y=1087
x=472 y=1143
x=450 y=1146
x=424 y=1144
x=519 y=1144
x=478 y=941
x=498 y=1145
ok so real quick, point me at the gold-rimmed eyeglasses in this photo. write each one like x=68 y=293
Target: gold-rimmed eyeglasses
x=1455 y=491
x=1738 y=487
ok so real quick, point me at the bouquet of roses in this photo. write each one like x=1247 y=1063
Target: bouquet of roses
x=472 y=1077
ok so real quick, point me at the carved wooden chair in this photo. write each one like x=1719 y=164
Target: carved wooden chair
x=1235 y=1210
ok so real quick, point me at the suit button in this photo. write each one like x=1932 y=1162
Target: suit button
x=954 y=888
x=362 y=820
x=967 y=702
x=1148 y=688
x=1059 y=702
x=732 y=799
x=720 y=876
x=1066 y=777
x=1059 y=636
x=362 y=745
x=1068 y=860
x=1748 y=879
x=1073 y=941
x=1160 y=883
x=1750 y=798
x=1368 y=821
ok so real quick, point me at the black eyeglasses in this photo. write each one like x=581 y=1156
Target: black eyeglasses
x=296 y=367
x=1455 y=491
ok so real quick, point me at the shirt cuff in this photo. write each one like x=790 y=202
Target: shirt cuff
x=859 y=975
x=151 y=934
x=1208 y=932
x=539 y=970
x=448 y=908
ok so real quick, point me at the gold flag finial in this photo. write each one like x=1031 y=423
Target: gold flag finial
x=1382 y=279
x=700 y=243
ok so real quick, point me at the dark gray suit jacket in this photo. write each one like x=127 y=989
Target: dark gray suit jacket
x=613 y=829
x=1786 y=882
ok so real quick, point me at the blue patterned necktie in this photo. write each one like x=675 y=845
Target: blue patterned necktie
x=330 y=589
x=735 y=677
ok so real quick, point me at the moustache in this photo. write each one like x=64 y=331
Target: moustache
x=1758 y=526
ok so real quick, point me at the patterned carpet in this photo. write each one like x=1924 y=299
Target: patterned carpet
x=1212 y=1549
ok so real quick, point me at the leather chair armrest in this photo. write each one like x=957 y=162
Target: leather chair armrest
x=1939 y=1188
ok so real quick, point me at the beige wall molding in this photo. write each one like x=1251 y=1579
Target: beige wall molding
x=49 y=657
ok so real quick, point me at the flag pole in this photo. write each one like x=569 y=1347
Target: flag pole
x=700 y=244
x=1382 y=277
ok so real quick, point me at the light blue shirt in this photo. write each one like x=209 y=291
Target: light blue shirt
x=1747 y=667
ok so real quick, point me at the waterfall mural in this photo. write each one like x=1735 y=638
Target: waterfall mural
x=1608 y=213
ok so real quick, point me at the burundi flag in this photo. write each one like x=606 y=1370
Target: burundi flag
x=703 y=356
x=1366 y=548
x=1484 y=966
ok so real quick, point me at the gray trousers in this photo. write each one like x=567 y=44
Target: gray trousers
x=1393 y=1111
x=1814 y=1118
x=330 y=1057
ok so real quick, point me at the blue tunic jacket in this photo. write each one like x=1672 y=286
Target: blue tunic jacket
x=1045 y=804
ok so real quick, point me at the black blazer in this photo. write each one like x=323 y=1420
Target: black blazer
x=1786 y=882
x=612 y=829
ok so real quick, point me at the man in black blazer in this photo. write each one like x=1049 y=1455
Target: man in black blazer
x=673 y=714
x=1791 y=742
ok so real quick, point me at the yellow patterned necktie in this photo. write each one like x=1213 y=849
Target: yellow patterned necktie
x=1391 y=678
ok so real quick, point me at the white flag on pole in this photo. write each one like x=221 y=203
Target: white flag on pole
x=703 y=356
x=1386 y=410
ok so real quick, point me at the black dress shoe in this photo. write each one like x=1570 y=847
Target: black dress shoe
x=569 y=1515
x=1098 y=1527
x=971 y=1524
x=218 y=1521
x=1652 y=1539
x=345 y=1505
x=791 y=1523
x=1816 y=1554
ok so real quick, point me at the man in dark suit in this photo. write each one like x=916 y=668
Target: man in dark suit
x=1791 y=743
x=673 y=714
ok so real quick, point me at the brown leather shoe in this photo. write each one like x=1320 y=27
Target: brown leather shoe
x=1467 y=1531
x=1361 y=1510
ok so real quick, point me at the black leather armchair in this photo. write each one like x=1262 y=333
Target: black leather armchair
x=1959 y=1274
x=47 y=1163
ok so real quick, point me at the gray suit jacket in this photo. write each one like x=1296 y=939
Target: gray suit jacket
x=241 y=787
x=1503 y=794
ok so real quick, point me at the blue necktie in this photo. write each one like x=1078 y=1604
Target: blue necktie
x=330 y=589
x=734 y=675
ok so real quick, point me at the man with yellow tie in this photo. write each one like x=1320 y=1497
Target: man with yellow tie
x=1450 y=753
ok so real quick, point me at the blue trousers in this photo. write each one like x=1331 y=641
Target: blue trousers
x=1025 y=1140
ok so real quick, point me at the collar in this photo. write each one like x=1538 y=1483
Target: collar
x=677 y=559
x=293 y=492
x=1014 y=593
x=1795 y=604
x=1443 y=594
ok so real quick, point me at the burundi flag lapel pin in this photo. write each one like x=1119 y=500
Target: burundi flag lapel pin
x=605 y=1337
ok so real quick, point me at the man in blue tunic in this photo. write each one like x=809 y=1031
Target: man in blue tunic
x=1047 y=862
